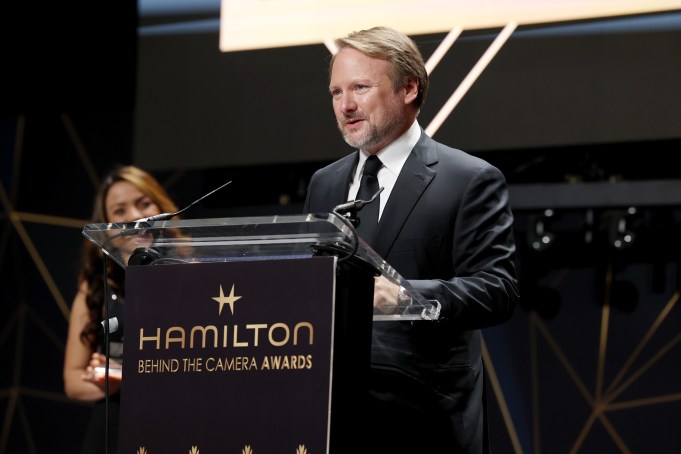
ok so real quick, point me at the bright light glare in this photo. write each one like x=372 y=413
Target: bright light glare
x=257 y=24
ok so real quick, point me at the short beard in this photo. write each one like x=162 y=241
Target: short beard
x=374 y=137
x=366 y=140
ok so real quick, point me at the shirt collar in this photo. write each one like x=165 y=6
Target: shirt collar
x=394 y=155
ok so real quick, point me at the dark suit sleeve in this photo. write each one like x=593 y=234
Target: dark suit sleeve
x=328 y=185
x=483 y=291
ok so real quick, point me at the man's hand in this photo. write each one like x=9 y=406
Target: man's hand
x=386 y=295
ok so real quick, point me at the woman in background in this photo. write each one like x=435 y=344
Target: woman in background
x=126 y=194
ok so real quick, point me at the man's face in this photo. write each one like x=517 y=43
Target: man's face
x=369 y=113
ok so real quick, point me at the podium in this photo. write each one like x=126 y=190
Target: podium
x=248 y=335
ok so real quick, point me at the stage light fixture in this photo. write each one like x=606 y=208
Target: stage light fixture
x=619 y=235
x=538 y=237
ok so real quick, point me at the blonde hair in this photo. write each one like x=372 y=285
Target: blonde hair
x=397 y=49
x=145 y=182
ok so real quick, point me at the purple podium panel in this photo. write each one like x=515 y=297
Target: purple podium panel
x=229 y=357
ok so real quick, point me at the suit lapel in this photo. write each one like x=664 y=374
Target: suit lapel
x=414 y=178
x=340 y=181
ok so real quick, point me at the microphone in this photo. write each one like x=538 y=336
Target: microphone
x=347 y=212
x=145 y=222
x=116 y=313
x=355 y=205
x=115 y=325
x=166 y=216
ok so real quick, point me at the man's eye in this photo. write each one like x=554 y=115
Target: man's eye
x=335 y=93
x=361 y=89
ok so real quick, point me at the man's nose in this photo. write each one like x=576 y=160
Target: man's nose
x=347 y=102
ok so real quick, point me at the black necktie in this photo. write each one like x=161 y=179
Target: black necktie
x=368 y=186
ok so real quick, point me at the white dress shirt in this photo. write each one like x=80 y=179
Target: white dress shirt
x=393 y=158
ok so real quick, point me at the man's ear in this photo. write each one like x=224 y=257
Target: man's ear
x=411 y=90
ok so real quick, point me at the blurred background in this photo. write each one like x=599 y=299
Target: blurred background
x=582 y=114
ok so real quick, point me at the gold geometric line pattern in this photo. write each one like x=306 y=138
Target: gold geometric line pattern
x=13 y=396
x=613 y=433
x=46 y=330
x=14 y=326
x=601 y=404
x=534 y=378
x=470 y=79
x=563 y=359
x=585 y=431
x=603 y=344
x=573 y=374
x=496 y=387
x=57 y=221
x=26 y=426
x=644 y=402
x=37 y=259
x=647 y=365
x=670 y=304
x=80 y=149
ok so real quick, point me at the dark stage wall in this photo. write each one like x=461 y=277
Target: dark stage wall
x=556 y=85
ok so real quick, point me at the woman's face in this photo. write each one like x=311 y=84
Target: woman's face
x=125 y=203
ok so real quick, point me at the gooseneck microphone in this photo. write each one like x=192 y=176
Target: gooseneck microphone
x=166 y=216
x=145 y=222
x=347 y=212
x=351 y=208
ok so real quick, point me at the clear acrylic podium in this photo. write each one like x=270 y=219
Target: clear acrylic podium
x=255 y=243
x=252 y=238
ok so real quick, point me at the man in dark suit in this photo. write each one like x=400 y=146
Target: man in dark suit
x=444 y=224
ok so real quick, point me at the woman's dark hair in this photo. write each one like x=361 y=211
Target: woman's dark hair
x=92 y=258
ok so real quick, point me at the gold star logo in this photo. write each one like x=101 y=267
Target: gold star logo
x=222 y=299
